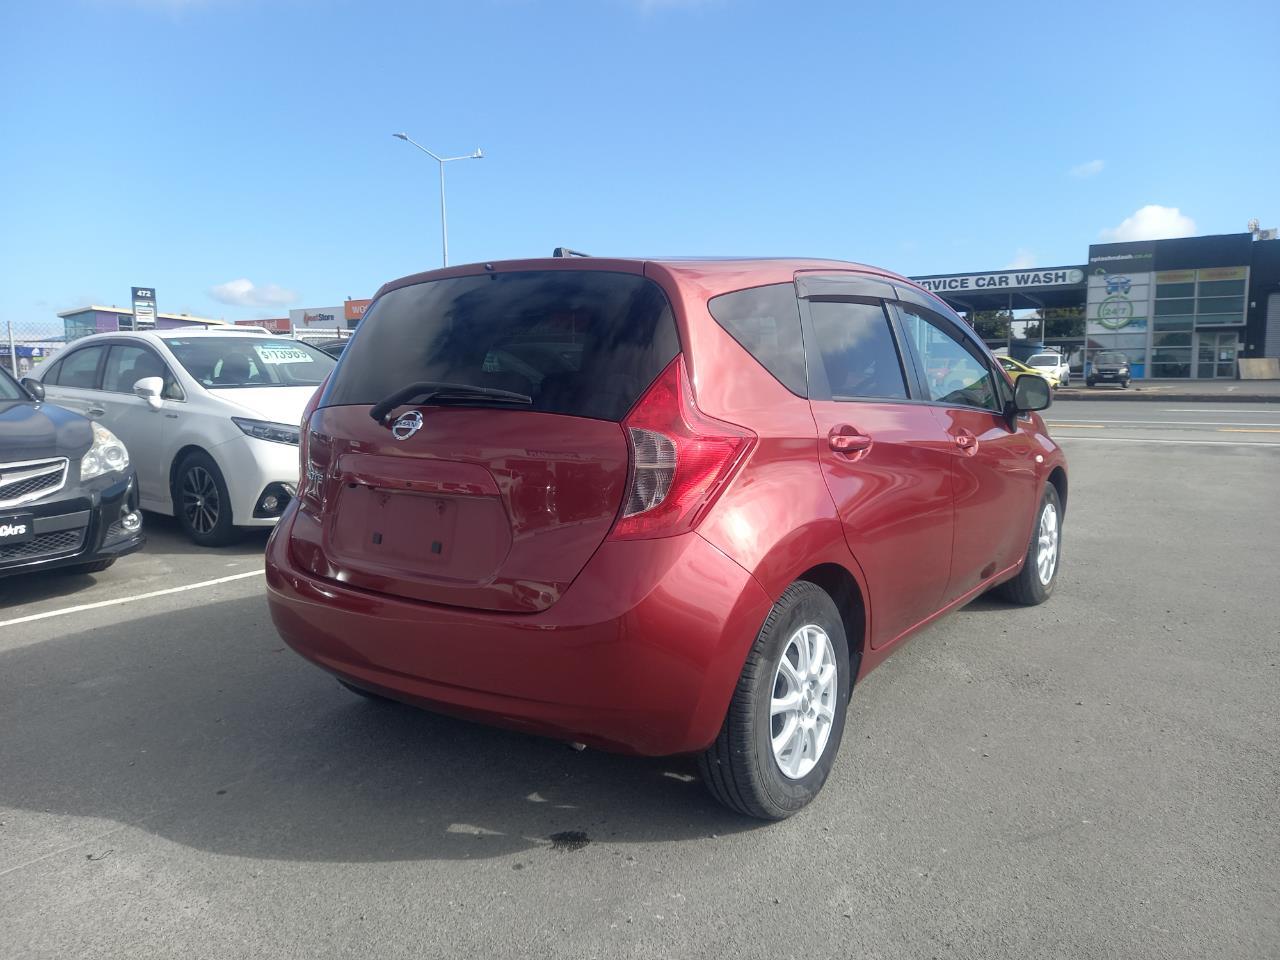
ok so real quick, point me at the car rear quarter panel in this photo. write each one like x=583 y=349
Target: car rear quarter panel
x=777 y=519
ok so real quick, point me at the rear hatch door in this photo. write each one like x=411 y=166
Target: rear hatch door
x=468 y=500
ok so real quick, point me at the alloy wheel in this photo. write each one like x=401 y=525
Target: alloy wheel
x=201 y=504
x=802 y=709
x=1047 y=544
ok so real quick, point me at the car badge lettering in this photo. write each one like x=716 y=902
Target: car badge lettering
x=12 y=529
x=407 y=426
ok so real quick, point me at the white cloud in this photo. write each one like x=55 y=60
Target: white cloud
x=1022 y=260
x=245 y=293
x=1090 y=169
x=1152 y=222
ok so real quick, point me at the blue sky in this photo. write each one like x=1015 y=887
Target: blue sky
x=194 y=144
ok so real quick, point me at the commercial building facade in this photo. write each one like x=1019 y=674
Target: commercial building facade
x=1182 y=308
x=83 y=321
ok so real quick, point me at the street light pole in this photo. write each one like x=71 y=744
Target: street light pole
x=444 y=219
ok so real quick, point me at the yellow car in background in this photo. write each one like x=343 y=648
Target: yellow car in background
x=1017 y=370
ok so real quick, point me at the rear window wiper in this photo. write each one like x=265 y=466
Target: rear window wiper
x=437 y=391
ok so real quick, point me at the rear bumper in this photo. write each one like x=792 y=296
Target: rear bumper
x=641 y=654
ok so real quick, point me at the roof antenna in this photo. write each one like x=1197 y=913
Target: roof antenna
x=567 y=252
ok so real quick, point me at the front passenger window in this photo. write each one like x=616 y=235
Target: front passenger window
x=951 y=373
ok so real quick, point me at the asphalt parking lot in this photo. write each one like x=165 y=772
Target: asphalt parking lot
x=1096 y=777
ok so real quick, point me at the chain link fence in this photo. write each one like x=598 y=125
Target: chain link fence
x=24 y=345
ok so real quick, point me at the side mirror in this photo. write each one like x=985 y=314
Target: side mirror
x=34 y=387
x=149 y=389
x=1031 y=393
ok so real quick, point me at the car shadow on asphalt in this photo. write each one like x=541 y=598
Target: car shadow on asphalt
x=164 y=539
x=164 y=534
x=201 y=727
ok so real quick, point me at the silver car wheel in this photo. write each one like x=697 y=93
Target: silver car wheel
x=802 y=710
x=1047 y=544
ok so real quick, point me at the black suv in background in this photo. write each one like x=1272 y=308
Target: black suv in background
x=68 y=497
x=1109 y=366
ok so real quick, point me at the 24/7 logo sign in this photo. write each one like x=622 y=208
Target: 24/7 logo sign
x=1115 y=312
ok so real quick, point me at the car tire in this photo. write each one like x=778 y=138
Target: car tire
x=1091 y=383
x=742 y=768
x=201 y=501
x=93 y=566
x=361 y=692
x=1124 y=384
x=1031 y=586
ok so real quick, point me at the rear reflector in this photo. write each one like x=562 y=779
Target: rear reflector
x=682 y=459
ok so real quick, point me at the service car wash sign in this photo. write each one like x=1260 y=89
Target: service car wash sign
x=1003 y=280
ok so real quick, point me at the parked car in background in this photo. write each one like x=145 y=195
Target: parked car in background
x=67 y=493
x=332 y=347
x=659 y=507
x=1016 y=369
x=1108 y=366
x=1052 y=366
x=210 y=418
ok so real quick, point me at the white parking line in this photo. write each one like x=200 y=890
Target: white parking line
x=1229 y=443
x=1167 y=423
x=137 y=596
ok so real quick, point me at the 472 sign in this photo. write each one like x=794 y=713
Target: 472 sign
x=144 y=308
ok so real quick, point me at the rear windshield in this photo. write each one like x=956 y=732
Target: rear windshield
x=582 y=343
x=227 y=362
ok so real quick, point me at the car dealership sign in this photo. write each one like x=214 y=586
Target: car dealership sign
x=1003 y=280
x=324 y=317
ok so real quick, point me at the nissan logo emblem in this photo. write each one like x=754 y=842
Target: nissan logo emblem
x=407 y=426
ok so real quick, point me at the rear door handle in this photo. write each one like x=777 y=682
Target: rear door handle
x=97 y=412
x=847 y=439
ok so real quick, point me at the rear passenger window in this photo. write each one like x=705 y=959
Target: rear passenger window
x=80 y=369
x=766 y=322
x=858 y=351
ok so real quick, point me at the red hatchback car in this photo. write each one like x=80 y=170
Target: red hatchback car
x=659 y=506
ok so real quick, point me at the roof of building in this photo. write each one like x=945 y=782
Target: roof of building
x=128 y=312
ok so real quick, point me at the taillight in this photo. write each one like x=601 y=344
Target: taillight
x=681 y=459
x=308 y=489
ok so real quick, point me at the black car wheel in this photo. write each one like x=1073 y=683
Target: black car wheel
x=201 y=501
x=1091 y=383
x=782 y=732
x=1034 y=583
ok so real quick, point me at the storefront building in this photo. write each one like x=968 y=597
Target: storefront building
x=83 y=321
x=1184 y=308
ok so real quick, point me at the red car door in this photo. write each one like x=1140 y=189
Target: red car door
x=885 y=457
x=992 y=463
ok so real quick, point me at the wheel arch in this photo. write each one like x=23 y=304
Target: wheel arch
x=843 y=588
x=182 y=454
x=1058 y=477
